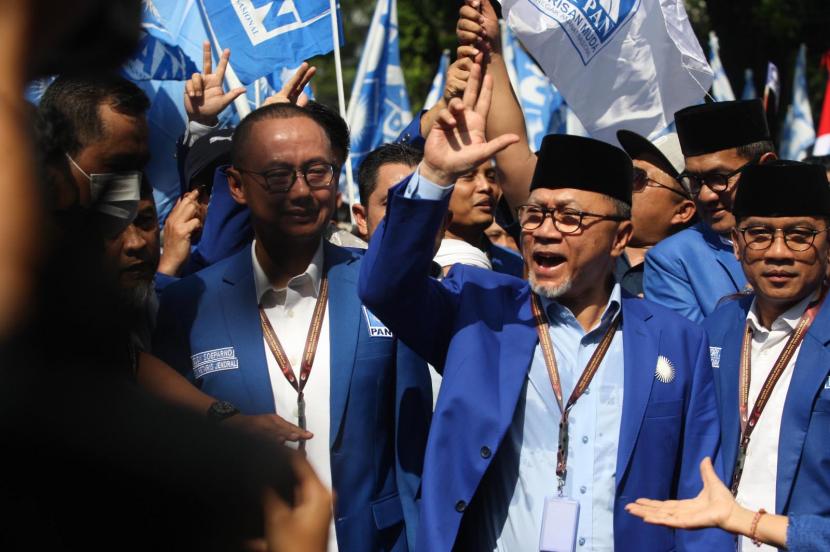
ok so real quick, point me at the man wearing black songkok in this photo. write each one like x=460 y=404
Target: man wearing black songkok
x=770 y=348
x=691 y=271
x=645 y=421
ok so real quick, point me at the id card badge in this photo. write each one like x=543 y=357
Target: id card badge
x=559 y=524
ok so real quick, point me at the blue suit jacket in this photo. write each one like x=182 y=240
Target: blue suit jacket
x=506 y=261
x=476 y=326
x=691 y=272
x=803 y=480
x=381 y=398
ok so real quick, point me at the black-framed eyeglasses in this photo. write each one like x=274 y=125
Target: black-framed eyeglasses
x=641 y=181
x=797 y=238
x=717 y=182
x=280 y=179
x=566 y=221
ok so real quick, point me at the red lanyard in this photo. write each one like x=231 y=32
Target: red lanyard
x=581 y=385
x=310 y=350
x=750 y=419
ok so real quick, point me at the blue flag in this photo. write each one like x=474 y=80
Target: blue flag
x=798 y=134
x=721 y=89
x=263 y=34
x=439 y=81
x=540 y=100
x=379 y=105
x=158 y=56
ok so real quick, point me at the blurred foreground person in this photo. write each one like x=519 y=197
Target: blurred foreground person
x=769 y=348
x=716 y=507
x=278 y=329
x=640 y=417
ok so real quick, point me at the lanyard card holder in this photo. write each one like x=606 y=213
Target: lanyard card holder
x=560 y=518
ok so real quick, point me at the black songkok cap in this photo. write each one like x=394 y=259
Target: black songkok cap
x=583 y=164
x=210 y=150
x=719 y=126
x=783 y=189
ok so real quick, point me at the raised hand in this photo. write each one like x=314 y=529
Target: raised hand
x=204 y=97
x=456 y=144
x=478 y=25
x=458 y=74
x=292 y=90
x=184 y=220
x=713 y=507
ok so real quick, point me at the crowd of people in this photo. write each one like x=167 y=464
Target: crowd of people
x=585 y=347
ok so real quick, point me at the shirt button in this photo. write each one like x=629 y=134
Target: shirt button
x=581 y=541
x=460 y=506
x=486 y=452
x=289 y=313
x=584 y=438
x=582 y=489
x=587 y=390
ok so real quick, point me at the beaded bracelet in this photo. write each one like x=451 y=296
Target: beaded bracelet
x=754 y=528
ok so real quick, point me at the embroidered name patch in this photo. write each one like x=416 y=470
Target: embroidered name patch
x=376 y=327
x=589 y=24
x=215 y=360
x=714 y=356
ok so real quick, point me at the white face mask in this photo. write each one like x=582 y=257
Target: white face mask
x=114 y=194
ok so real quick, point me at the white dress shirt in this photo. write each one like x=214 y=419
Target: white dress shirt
x=290 y=310
x=757 y=487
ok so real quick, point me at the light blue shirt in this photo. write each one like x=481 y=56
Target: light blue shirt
x=523 y=473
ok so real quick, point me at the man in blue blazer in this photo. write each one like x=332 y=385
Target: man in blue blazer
x=782 y=242
x=242 y=330
x=643 y=422
x=693 y=270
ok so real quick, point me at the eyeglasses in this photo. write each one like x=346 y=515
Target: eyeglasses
x=279 y=180
x=796 y=238
x=567 y=221
x=717 y=182
x=641 y=181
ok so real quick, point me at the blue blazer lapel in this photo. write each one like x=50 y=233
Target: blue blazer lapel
x=518 y=341
x=344 y=328
x=811 y=368
x=640 y=349
x=239 y=303
x=730 y=360
x=725 y=257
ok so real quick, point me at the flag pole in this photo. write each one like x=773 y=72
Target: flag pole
x=341 y=97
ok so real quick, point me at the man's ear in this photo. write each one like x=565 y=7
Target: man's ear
x=235 y=186
x=735 y=237
x=359 y=212
x=683 y=212
x=623 y=236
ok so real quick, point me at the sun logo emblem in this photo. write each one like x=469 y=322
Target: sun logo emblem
x=665 y=370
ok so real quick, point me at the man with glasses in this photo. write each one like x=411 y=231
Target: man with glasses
x=693 y=270
x=770 y=348
x=504 y=466
x=278 y=328
x=661 y=206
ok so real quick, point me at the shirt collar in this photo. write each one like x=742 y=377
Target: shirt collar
x=313 y=274
x=557 y=313
x=787 y=321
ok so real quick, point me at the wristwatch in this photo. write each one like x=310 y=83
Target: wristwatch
x=221 y=410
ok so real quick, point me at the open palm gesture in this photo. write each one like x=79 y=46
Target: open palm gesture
x=457 y=142
x=204 y=97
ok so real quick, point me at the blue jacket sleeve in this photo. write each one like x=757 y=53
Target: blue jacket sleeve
x=171 y=341
x=701 y=438
x=808 y=534
x=227 y=228
x=394 y=276
x=666 y=283
x=411 y=135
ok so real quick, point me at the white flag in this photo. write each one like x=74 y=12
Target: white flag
x=721 y=87
x=618 y=63
x=798 y=133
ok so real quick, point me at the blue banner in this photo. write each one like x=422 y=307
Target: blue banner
x=439 y=81
x=798 y=134
x=158 y=56
x=263 y=34
x=379 y=105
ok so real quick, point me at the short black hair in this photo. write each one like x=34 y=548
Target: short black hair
x=756 y=149
x=332 y=124
x=73 y=103
x=367 y=175
x=820 y=160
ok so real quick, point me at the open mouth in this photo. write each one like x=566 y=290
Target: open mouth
x=548 y=260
